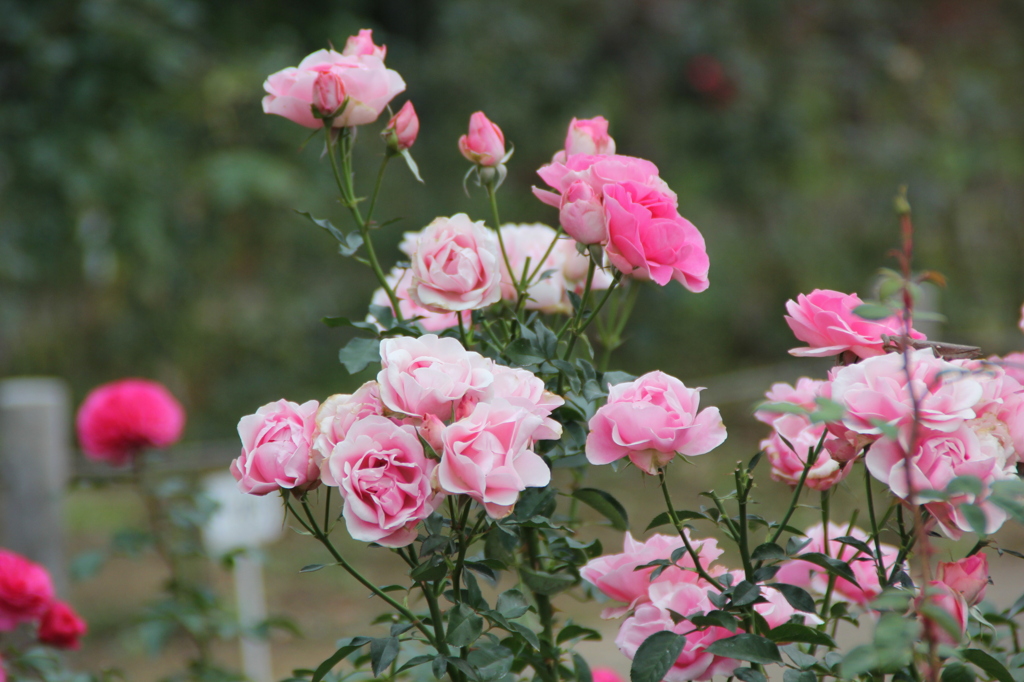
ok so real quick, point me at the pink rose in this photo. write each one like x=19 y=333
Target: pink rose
x=605 y=675
x=525 y=246
x=597 y=171
x=429 y=375
x=456 y=266
x=1000 y=412
x=938 y=595
x=581 y=214
x=776 y=610
x=575 y=266
x=825 y=321
x=649 y=240
x=277 y=449
x=404 y=127
x=616 y=575
x=588 y=136
x=522 y=389
x=384 y=477
x=61 y=627
x=399 y=280
x=968 y=577
x=487 y=456
x=788 y=466
x=120 y=419
x=339 y=413
x=803 y=394
x=1021 y=323
x=362 y=44
x=485 y=143
x=25 y=590
x=650 y=420
x=360 y=81
x=1013 y=365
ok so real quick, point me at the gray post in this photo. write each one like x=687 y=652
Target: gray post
x=35 y=458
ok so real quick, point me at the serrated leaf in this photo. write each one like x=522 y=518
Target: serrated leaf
x=955 y=671
x=358 y=353
x=790 y=675
x=989 y=665
x=745 y=593
x=429 y=570
x=545 y=583
x=655 y=656
x=527 y=634
x=512 y=604
x=464 y=626
x=491 y=662
x=583 y=673
x=606 y=505
x=794 y=632
x=721 y=619
x=799 y=598
x=747 y=647
x=522 y=352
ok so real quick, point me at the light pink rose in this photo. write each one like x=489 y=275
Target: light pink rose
x=487 y=456
x=523 y=389
x=485 y=143
x=616 y=575
x=788 y=466
x=777 y=610
x=456 y=266
x=825 y=321
x=277 y=449
x=1001 y=408
x=328 y=92
x=581 y=214
x=360 y=80
x=384 y=477
x=429 y=375
x=575 y=266
x=361 y=44
x=937 y=594
x=1012 y=364
x=587 y=136
x=597 y=171
x=339 y=413
x=399 y=280
x=404 y=127
x=651 y=420
x=803 y=394
x=532 y=242
x=969 y=577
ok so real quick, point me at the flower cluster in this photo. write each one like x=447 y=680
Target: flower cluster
x=27 y=596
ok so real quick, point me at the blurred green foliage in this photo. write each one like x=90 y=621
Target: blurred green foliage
x=146 y=223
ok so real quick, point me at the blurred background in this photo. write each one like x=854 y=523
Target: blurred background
x=146 y=202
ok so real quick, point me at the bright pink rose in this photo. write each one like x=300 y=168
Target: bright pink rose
x=812 y=577
x=605 y=675
x=61 y=627
x=485 y=143
x=651 y=420
x=399 y=280
x=587 y=136
x=788 y=466
x=969 y=577
x=597 y=171
x=825 y=321
x=362 y=44
x=120 y=419
x=277 y=449
x=384 y=478
x=938 y=595
x=404 y=126
x=456 y=266
x=487 y=456
x=339 y=413
x=649 y=240
x=876 y=389
x=1021 y=323
x=684 y=599
x=25 y=590
x=361 y=81
x=525 y=246
x=803 y=394
x=523 y=389
x=430 y=375
x=616 y=575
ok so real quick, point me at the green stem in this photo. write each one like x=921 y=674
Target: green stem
x=741 y=499
x=550 y=654
x=591 y=268
x=682 y=532
x=492 y=196
x=879 y=566
x=376 y=187
x=812 y=456
x=460 y=531
x=825 y=515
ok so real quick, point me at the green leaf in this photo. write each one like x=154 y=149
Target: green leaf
x=836 y=567
x=583 y=673
x=546 y=583
x=606 y=505
x=413 y=168
x=325 y=667
x=989 y=665
x=383 y=651
x=745 y=593
x=429 y=570
x=415 y=661
x=572 y=631
x=684 y=515
x=975 y=517
x=325 y=225
x=747 y=647
x=794 y=632
x=464 y=626
x=522 y=352
x=527 y=634
x=512 y=604
x=749 y=675
x=439 y=666
x=359 y=353
x=970 y=485
x=311 y=568
x=654 y=658
x=491 y=662
x=782 y=408
x=799 y=598
x=87 y=564
x=790 y=675
x=954 y=671
x=769 y=551
x=721 y=619
x=858 y=661
x=873 y=311
x=828 y=411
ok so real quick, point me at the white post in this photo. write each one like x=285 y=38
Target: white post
x=251 y=599
x=35 y=461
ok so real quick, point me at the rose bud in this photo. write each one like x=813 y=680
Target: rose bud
x=328 y=92
x=969 y=577
x=61 y=627
x=589 y=136
x=485 y=143
x=581 y=214
x=362 y=44
x=401 y=131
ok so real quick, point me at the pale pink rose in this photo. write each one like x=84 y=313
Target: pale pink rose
x=1001 y=408
x=522 y=388
x=587 y=136
x=803 y=395
x=399 y=280
x=339 y=413
x=525 y=246
x=777 y=609
x=487 y=456
x=429 y=375
x=277 y=449
x=616 y=575
x=651 y=420
x=597 y=171
x=404 y=127
x=1012 y=364
x=384 y=478
x=969 y=577
x=812 y=577
x=788 y=466
x=1021 y=323
x=362 y=44
x=939 y=595
x=649 y=240
x=456 y=266
x=605 y=675
x=581 y=214
x=485 y=143
x=328 y=92
x=25 y=590
x=361 y=81
x=694 y=663
x=876 y=389
x=825 y=321
x=409 y=242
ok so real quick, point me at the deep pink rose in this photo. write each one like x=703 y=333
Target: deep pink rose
x=25 y=590
x=384 y=478
x=825 y=321
x=277 y=449
x=361 y=44
x=339 y=413
x=587 y=136
x=938 y=595
x=651 y=420
x=605 y=675
x=399 y=280
x=360 y=81
x=597 y=170
x=61 y=627
x=120 y=419
x=969 y=577
x=485 y=143
x=487 y=456
x=803 y=395
x=430 y=375
x=523 y=389
x=1021 y=323
x=788 y=466
x=456 y=266
x=404 y=126
x=525 y=246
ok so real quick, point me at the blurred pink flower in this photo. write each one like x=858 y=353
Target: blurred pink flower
x=120 y=419
x=969 y=577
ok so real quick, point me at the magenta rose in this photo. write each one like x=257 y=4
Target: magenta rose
x=488 y=456
x=430 y=375
x=788 y=466
x=384 y=478
x=339 y=413
x=277 y=449
x=399 y=280
x=456 y=266
x=605 y=675
x=651 y=420
x=25 y=590
x=527 y=248
x=61 y=627
x=969 y=577
x=825 y=321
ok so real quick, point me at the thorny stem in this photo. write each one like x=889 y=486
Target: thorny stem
x=376 y=187
x=682 y=532
x=492 y=196
x=741 y=492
